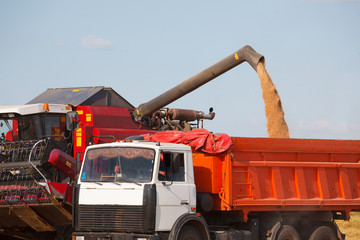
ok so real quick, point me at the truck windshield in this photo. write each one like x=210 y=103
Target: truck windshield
x=118 y=164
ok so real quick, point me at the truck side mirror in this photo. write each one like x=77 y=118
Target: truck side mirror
x=175 y=163
x=72 y=120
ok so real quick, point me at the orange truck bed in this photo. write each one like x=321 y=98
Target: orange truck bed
x=267 y=174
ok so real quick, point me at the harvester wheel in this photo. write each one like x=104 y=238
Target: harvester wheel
x=190 y=233
x=287 y=232
x=323 y=233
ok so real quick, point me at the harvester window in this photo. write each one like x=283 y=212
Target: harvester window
x=7 y=131
x=54 y=126
x=29 y=127
x=34 y=127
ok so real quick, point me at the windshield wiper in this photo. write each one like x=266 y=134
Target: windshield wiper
x=130 y=181
x=120 y=181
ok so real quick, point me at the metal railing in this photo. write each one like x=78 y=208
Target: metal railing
x=18 y=151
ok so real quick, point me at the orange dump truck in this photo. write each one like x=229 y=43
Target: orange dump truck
x=233 y=188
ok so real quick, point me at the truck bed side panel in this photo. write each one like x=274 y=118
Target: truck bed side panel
x=264 y=174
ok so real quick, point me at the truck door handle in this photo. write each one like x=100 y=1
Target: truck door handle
x=184 y=202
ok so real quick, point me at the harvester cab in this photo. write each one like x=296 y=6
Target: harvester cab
x=25 y=122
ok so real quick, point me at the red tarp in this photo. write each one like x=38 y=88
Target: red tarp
x=201 y=139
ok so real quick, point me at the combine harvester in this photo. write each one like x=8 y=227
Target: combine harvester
x=39 y=144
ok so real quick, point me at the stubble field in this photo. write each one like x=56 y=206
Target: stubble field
x=351 y=228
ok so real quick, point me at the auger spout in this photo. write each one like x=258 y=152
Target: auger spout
x=246 y=53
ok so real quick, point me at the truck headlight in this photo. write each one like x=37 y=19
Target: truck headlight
x=79 y=238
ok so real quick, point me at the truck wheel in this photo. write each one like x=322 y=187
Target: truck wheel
x=287 y=232
x=190 y=233
x=323 y=233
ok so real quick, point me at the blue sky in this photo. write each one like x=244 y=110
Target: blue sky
x=143 y=48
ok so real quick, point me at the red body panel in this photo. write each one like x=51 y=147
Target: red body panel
x=61 y=190
x=64 y=162
x=104 y=121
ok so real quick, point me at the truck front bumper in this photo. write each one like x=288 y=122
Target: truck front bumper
x=112 y=236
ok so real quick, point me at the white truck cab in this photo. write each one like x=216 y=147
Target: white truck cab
x=138 y=189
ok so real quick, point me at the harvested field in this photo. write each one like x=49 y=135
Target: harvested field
x=351 y=228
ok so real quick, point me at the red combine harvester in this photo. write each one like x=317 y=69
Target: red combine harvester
x=39 y=145
x=42 y=143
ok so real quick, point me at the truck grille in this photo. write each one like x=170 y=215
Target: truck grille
x=110 y=218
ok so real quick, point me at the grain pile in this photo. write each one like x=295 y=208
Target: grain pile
x=276 y=124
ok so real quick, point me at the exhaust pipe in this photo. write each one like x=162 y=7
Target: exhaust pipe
x=246 y=53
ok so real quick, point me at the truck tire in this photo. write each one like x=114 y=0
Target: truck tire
x=323 y=233
x=287 y=232
x=190 y=233
x=190 y=226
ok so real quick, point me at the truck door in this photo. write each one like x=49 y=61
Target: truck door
x=173 y=190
